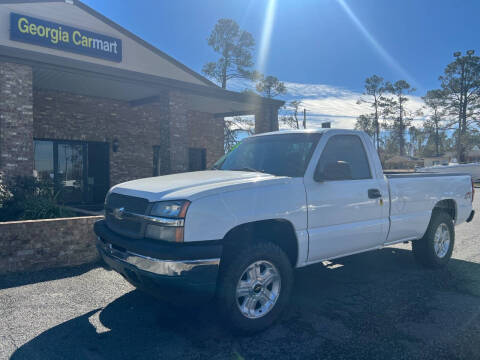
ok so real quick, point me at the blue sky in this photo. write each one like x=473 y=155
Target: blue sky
x=332 y=45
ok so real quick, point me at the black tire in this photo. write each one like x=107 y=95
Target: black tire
x=424 y=249
x=231 y=271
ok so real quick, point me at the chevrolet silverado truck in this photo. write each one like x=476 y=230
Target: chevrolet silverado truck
x=279 y=201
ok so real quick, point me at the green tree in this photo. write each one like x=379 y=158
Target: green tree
x=417 y=140
x=291 y=118
x=461 y=89
x=429 y=148
x=235 y=47
x=473 y=138
x=233 y=128
x=374 y=90
x=395 y=111
x=270 y=86
x=367 y=123
x=434 y=125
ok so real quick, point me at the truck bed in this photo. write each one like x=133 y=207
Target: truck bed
x=414 y=195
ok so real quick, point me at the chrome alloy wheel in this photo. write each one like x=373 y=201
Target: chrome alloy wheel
x=441 y=241
x=258 y=289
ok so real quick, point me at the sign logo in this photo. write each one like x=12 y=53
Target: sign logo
x=118 y=213
x=62 y=37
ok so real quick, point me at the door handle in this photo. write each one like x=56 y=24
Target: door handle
x=374 y=193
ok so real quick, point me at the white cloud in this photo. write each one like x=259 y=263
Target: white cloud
x=315 y=90
x=327 y=103
x=335 y=104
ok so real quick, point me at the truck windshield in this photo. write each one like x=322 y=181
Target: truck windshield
x=280 y=155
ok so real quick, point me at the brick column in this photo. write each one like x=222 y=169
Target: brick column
x=178 y=132
x=266 y=119
x=16 y=120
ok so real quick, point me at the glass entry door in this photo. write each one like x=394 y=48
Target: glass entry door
x=78 y=170
x=70 y=171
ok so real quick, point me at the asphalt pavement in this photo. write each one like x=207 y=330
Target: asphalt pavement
x=377 y=305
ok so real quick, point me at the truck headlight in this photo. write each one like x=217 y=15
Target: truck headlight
x=170 y=209
x=170 y=222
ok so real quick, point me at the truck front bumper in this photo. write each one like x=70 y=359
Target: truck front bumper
x=165 y=270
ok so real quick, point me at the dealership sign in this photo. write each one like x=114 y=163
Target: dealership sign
x=66 y=38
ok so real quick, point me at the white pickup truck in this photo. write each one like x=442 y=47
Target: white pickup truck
x=279 y=201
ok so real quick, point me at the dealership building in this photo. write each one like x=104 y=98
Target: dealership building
x=85 y=104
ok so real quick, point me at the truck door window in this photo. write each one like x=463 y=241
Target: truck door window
x=345 y=155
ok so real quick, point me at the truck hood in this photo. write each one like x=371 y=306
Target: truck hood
x=193 y=185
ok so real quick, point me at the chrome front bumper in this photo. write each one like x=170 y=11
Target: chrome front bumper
x=171 y=268
x=161 y=269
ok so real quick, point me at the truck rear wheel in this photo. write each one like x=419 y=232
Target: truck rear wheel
x=435 y=249
x=254 y=287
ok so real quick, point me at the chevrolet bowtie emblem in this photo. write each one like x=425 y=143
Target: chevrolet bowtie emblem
x=118 y=213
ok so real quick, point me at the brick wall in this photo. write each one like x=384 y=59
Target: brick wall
x=212 y=139
x=39 y=244
x=65 y=116
x=16 y=119
x=166 y=123
x=179 y=141
x=27 y=113
x=266 y=119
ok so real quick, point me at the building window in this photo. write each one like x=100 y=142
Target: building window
x=77 y=170
x=156 y=161
x=197 y=159
x=43 y=161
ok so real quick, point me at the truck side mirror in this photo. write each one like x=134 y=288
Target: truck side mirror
x=339 y=170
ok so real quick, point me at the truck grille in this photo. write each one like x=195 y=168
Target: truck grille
x=133 y=204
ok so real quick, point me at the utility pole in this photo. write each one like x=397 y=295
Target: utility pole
x=304 y=118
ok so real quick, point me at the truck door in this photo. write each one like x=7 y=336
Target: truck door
x=345 y=197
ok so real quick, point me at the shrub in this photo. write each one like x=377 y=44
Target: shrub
x=26 y=198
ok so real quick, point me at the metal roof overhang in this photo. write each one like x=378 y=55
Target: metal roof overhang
x=63 y=74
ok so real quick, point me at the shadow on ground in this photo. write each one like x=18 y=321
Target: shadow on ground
x=372 y=306
x=21 y=279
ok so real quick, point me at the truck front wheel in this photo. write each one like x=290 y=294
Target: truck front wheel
x=254 y=286
x=435 y=248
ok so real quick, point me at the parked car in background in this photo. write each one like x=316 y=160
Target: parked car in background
x=279 y=201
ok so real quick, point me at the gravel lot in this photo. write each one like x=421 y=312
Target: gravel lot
x=376 y=305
